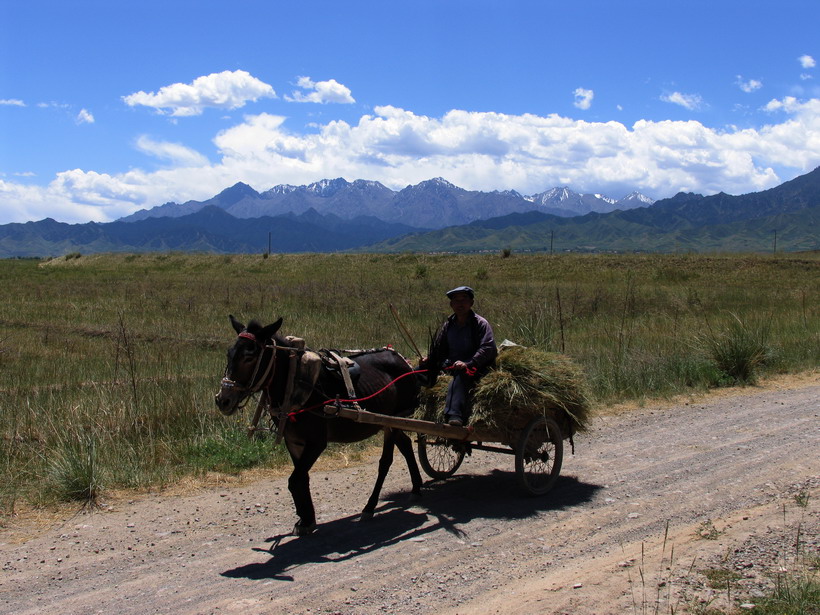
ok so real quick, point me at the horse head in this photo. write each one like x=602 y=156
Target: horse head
x=251 y=362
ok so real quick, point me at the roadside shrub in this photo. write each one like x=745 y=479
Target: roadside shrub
x=739 y=350
x=75 y=470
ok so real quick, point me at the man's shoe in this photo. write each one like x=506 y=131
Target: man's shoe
x=455 y=422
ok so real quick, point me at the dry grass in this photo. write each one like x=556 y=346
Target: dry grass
x=525 y=383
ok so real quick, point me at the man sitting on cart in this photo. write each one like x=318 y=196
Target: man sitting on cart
x=467 y=344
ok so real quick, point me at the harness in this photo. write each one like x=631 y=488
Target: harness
x=228 y=383
x=304 y=366
x=303 y=370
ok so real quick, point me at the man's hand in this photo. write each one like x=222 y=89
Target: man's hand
x=459 y=366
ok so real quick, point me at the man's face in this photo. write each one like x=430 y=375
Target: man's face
x=461 y=303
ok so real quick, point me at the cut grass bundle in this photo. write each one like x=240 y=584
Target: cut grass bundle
x=524 y=384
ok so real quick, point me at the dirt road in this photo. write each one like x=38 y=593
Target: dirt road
x=725 y=479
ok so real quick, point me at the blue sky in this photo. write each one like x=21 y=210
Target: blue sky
x=110 y=107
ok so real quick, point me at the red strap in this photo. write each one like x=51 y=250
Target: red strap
x=292 y=415
x=470 y=371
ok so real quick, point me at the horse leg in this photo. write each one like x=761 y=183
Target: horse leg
x=405 y=445
x=385 y=462
x=304 y=455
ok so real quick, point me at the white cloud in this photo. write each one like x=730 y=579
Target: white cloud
x=583 y=98
x=324 y=92
x=688 y=101
x=225 y=90
x=806 y=61
x=477 y=151
x=748 y=86
x=24 y=202
x=84 y=117
x=12 y=102
x=789 y=104
x=175 y=153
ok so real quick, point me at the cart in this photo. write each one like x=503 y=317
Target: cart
x=538 y=446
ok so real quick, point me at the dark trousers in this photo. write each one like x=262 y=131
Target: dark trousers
x=457 y=404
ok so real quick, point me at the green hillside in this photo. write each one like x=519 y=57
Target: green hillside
x=796 y=231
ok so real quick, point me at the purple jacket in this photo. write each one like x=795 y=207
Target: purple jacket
x=482 y=349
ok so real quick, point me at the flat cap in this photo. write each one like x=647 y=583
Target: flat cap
x=461 y=289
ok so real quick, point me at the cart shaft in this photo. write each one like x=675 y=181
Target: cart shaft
x=406 y=424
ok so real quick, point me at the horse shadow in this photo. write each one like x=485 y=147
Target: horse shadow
x=444 y=505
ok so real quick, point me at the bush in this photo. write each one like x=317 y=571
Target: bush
x=739 y=350
x=75 y=470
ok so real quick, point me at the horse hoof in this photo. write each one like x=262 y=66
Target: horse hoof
x=303 y=530
x=365 y=516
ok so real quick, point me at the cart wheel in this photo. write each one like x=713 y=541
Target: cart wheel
x=439 y=457
x=538 y=455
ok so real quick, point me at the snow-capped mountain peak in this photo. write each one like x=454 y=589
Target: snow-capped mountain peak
x=327 y=187
x=637 y=197
x=280 y=189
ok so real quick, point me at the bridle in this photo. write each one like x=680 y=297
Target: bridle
x=266 y=371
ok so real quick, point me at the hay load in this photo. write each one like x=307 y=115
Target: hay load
x=524 y=384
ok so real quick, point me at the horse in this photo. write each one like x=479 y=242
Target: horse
x=297 y=382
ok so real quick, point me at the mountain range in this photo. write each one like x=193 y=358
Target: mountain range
x=435 y=215
x=786 y=217
x=435 y=203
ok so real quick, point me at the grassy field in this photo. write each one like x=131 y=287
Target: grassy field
x=109 y=363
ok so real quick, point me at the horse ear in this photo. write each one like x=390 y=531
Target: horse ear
x=269 y=331
x=237 y=326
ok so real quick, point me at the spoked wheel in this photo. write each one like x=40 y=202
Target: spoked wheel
x=538 y=455
x=439 y=457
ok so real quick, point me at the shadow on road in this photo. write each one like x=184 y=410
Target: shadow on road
x=444 y=505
